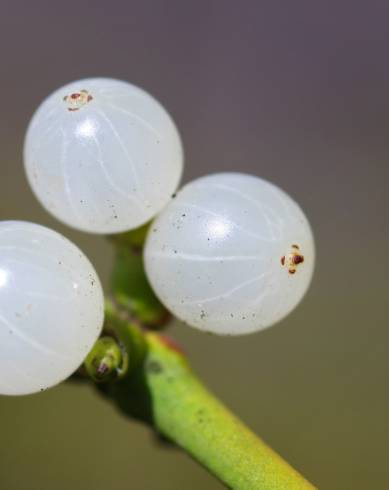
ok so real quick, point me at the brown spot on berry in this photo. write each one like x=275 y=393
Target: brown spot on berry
x=293 y=259
x=298 y=259
x=76 y=100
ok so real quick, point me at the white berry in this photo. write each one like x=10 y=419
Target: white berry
x=231 y=254
x=51 y=308
x=102 y=155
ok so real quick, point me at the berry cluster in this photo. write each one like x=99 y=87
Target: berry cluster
x=229 y=253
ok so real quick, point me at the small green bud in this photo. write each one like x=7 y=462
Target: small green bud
x=104 y=360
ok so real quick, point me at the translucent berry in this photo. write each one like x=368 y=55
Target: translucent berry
x=51 y=308
x=102 y=155
x=231 y=254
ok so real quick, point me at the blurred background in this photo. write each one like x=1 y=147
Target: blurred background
x=295 y=92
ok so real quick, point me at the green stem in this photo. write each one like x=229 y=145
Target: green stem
x=130 y=287
x=161 y=389
x=166 y=393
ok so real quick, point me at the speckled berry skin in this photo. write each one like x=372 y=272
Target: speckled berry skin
x=231 y=254
x=51 y=308
x=102 y=155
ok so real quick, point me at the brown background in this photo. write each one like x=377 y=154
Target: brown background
x=296 y=92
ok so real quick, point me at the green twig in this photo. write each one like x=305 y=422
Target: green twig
x=155 y=384
x=165 y=393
